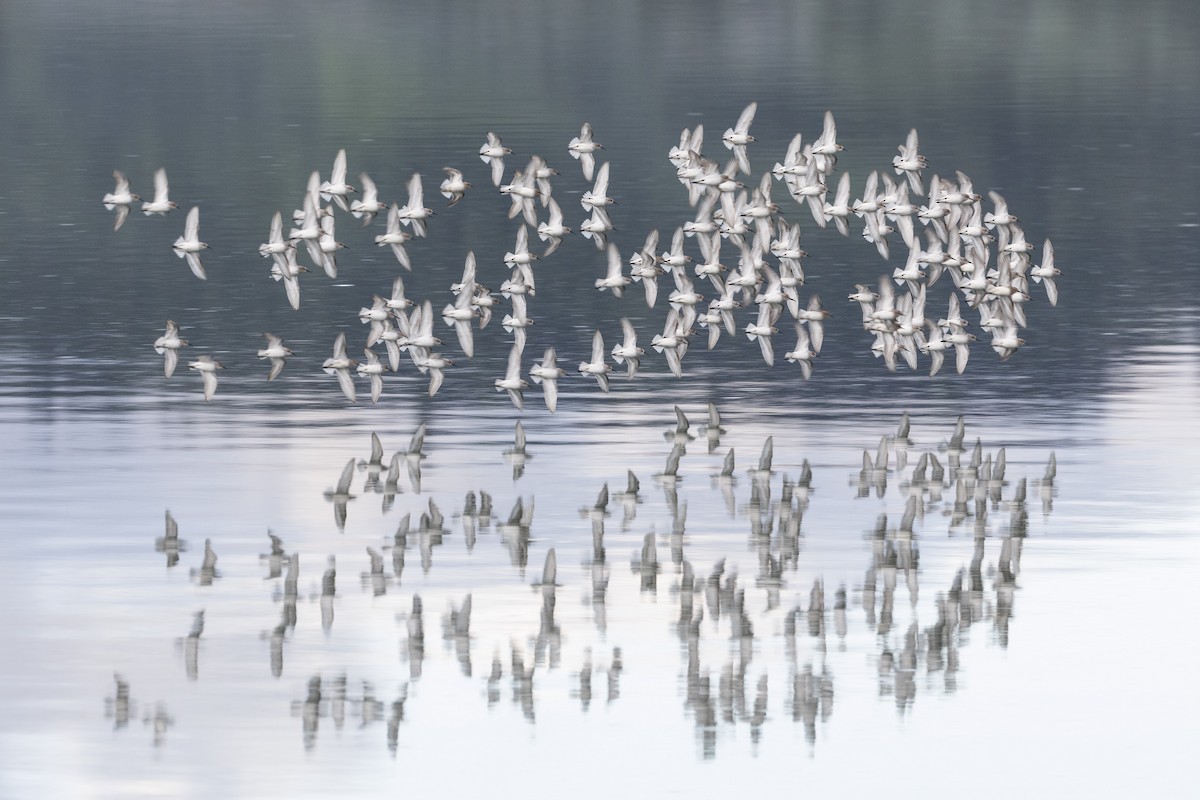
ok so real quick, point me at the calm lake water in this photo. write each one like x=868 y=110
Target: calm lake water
x=708 y=635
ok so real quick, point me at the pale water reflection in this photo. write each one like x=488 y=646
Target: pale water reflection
x=280 y=594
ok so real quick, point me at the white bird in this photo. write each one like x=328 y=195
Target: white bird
x=340 y=364
x=826 y=146
x=685 y=298
x=435 y=364
x=553 y=230
x=276 y=246
x=398 y=302
x=207 y=366
x=802 y=354
x=454 y=186
x=542 y=172
x=762 y=330
x=189 y=245
x=999 y=216
x=309 y=231
x=419 y=338
x=523 y=191
x=520 y=281
x=582 y=147
x=120 y=198
x=493 y=152
x=815 y=316
x=512 y=382
x=690 y=142
x=675 y=257
x=1046 y=272
x=596 y=367
x=794 y=164
x=547 y=374
x=328 y=246
x=1006 y=342
x=672 y=342
x=520 y=253
x=516 y=322
x=336 y=187
x=168 y=346
x=627 y=352
x=460 y=313
x=374 y=370
x=395 y=237
x=644 y=267
x=366 y=208
x=840 y=210
x=161 y=204
x=376 y=315
x=935 y=346
x=596 y=226
x=276 y=352
x=910 y=163
x=737 y=137
x=288 y=271
x=414 y=211
x=598 y=195
x=614 y=279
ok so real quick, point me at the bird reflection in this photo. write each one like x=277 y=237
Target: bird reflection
x=973 y=496
x=191 y=647
x=170 y=543
x=119 y=708
x=276 y=560
x=456 y=628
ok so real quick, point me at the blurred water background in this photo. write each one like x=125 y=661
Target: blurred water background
x=1040 y=648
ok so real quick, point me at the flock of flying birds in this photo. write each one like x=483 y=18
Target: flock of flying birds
x=949 y=234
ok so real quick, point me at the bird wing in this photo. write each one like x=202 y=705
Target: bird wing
x=600 y=189
x=370 y=194
x=338 y=175
x=161 y=191
x=191 y=229
x=597 y=347
x=514 y=365
x=193 y=261
x=416 y=195
x=347 y=384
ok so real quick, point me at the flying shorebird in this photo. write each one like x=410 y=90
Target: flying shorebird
x=189 y=245
x=161 y=204
x=512 y=382
x=336 y=187
x=414 y=211
x=596 y=367
x=168 y=346
x=395 y=237
x=453 y=187
x=493 y=152
x=276 y=352
x=120 y=198
x=207 y=366
x=547 y=374
x=340 y=365
x=582 y=147
x=366 y=208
